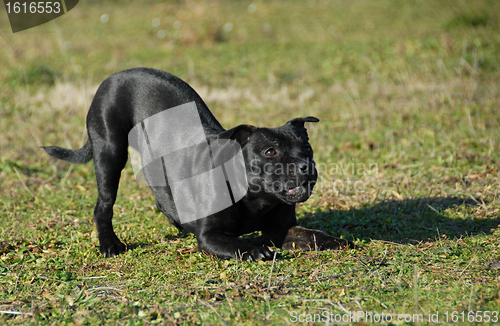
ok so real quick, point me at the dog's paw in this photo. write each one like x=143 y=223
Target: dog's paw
x=111 y=247
x=299 y=238
x=332 y=243
x=259 y=253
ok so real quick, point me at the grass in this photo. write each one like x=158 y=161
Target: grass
x=407 y=146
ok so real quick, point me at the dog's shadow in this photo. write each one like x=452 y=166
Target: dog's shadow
x=399 y=221
x=170 y=237
x=404 y=221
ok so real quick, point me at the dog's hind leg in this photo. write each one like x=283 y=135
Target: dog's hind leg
x=109 y=160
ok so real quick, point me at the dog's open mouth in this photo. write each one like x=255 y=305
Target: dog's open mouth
x=297 y=191
x=301 y=192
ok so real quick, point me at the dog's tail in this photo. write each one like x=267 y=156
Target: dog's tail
x=81 y=155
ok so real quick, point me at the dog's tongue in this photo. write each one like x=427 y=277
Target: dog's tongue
x=295 y=191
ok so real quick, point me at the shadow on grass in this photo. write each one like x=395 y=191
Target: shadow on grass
x=133 y=246
x=169 y=237
x=399 y=221
x=404 y=221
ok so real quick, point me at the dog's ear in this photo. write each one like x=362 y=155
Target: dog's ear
x=240 y=133
x=299 y=122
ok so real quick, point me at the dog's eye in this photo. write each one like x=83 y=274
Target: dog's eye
x=308 y=149
x=270 y=152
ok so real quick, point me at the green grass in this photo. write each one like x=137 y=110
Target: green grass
x=408 y=151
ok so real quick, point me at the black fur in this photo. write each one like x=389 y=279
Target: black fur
x=127 y=98
x=75 y=156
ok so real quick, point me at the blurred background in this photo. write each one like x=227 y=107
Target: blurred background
x=408 y=150
x=408 y=84
x=393 y=82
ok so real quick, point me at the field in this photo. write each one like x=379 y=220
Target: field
x=408 y=94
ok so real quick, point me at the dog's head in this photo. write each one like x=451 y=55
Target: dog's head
x=279 y=161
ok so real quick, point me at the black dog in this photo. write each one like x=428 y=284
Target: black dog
x=279 y=168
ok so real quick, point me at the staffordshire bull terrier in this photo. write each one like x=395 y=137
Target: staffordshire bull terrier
x=278 y=168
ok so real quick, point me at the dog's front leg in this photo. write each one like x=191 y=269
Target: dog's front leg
x=225 y=246
x=301 y=238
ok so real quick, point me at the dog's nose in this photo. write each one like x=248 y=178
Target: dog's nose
x=303 y=167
